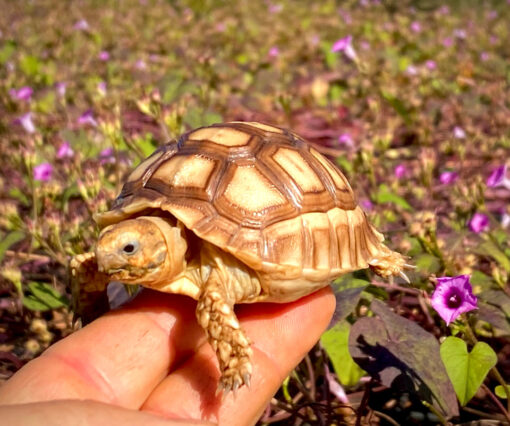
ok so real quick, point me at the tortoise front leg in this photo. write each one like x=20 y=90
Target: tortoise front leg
x=88 y=287
x=215 y=313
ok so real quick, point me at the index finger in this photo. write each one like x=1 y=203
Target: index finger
x=117 y=359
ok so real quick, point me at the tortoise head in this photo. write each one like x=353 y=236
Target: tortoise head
x=147 y=250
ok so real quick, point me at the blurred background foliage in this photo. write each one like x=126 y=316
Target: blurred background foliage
x=416 y=115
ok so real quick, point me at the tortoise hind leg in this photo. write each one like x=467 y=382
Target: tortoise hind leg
x=388 y=263
x=88 y=287
x=215 y=313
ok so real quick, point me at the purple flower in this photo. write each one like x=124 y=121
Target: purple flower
x=498 y=177
x=87 y=118
x=444 y=10
x=61 y=88
x=22 y=94
x=453 y=296
x=493 y=39
x=460 y=33
x=43 y=172
x=448 y=177
x=400 y=171
x=81 y=25
x=479 y=223
x=345 y=45
x=140 y=64
x=411 y=70
x=346 y=139
x=459 y=132
x=275 y=8
x=505 y=220
x=448 y=42
x=106 y=156
x=273 y=52
x=366 y=204
x=101 y=87
x=416 y=27
x=431 y=65
x=484 y=56
x=65 y=150
x=26 y=122
x=104 y=55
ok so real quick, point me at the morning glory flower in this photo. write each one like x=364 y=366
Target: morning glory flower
x=140 y=64
x=22 y=94
x=431 y=65
x=65 y=151
x=26 y=122
x=448 y=177
x=104 y=55
x=498 y=178
x=61 y=88
x=101 y=87
x=416 y=27
x=411 y=70
x=273 y=52
x=459 y=132
x=81 y=25
x=484 y=56
x=400 y=171
x=448 y=42
x=366 y=204
x=43 y=172
x=505 y=220
x=460 y=33
x=106 y=156
x=345 y=45
x=275 y=8
x=479 y=223
x=346 y=139
x=453 y=296
x=87 y=118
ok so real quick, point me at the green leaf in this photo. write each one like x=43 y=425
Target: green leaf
x=347 y=293
x=34 y=304
x=384 y=195
x=400 y=354
x=488 y=248
x=500 y=391
x=7 y=51
x=18 y=195
x=397 y=105
x=427 y=263
x=336 y=344
x=466 y=370
x=11 y=239
x=43 y=295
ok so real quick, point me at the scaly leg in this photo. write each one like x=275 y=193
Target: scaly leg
x=88 y=287
x=216 y=315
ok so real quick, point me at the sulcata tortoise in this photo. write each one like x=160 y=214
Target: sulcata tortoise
x=232 y=213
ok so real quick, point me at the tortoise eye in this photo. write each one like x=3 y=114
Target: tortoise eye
x=130 y=248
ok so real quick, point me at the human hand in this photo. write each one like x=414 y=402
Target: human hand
x=150 y=362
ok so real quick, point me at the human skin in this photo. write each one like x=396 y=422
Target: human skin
x=149 y=363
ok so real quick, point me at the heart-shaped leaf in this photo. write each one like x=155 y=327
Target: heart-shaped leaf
x=336 y=344
x=466 y=370
x=500 y=391
x=400 y=354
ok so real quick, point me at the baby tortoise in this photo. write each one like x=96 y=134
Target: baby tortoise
x=231 y=213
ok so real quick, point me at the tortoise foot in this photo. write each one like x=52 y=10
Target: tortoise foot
x=226 y=337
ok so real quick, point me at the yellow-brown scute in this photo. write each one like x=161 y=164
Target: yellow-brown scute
x=130 y=249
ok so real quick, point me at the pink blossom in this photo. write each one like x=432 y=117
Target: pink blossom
x=366 y=204
x=411 y=70
x=273 y=52
x=22 y=94
x=444 y=10
x=484 y=56
x=448 y=177
x=345 y=45
x=106 y=156
x=87 y=118
x=452 y=297
x=459 y=132
x=346 y=139
x=104 y=56
x=275 y=8
x=460 y=33
x=448 y=42
x=416 y=27
x=43 y=172
x=479 y=223
x=101 y=87
x=65 y=151
x=400 y=171
x=140 y=64
x=61 y=88
x=81 y=25
x=431 y=65
x=498 y=178
x=26 y=122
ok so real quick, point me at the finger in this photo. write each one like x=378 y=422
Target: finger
x=117 y=359
x=281 y=335
x=86 y=413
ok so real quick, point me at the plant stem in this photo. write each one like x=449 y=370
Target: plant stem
x=496 y=401
x=433 y=409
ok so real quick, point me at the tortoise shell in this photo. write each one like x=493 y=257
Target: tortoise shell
x=258 y=192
